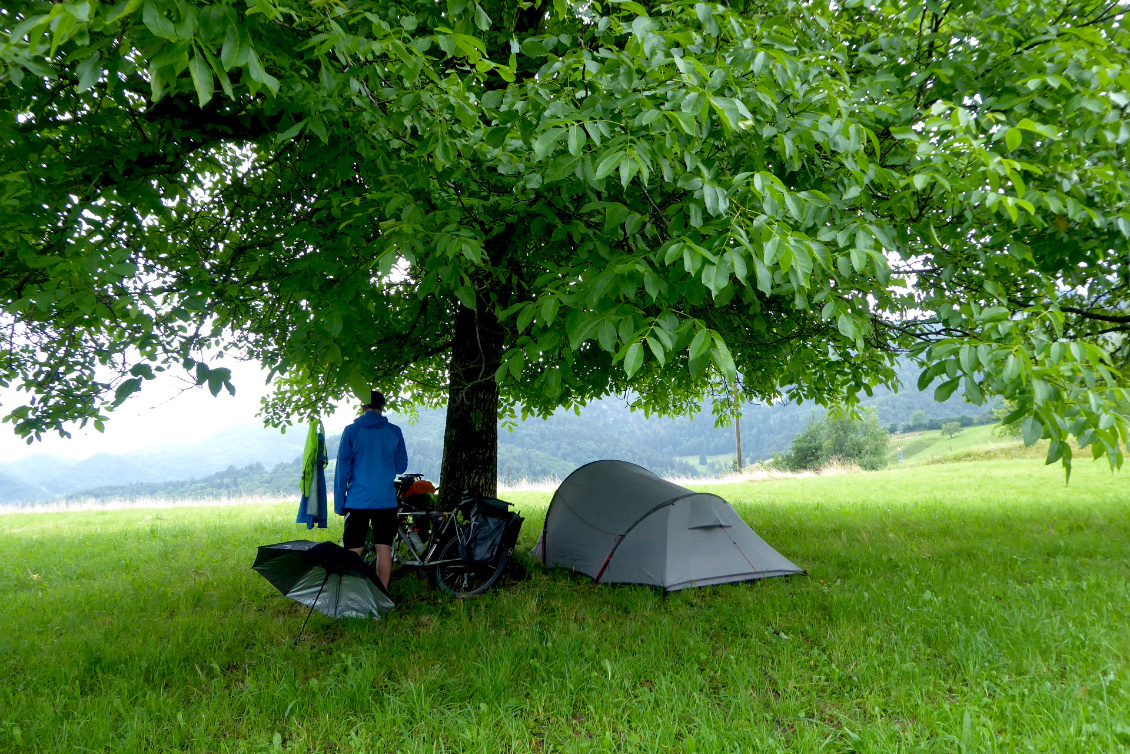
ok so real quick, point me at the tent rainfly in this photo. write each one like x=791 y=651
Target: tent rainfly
x=620 y=523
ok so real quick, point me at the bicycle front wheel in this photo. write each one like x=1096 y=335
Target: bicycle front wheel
x=460 y=579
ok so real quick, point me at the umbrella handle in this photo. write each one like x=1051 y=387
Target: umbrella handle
x=311 y=610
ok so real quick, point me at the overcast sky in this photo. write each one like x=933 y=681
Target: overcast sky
x=160 y=414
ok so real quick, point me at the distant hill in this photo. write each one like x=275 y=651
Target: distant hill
x=256 y=460
x=14 y=490
x=42 y=477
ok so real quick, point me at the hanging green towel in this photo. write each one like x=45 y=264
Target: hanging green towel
x=312 y=510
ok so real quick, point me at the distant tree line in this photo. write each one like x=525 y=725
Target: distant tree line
x=253 y=480
x=539 y=449
x=920 y=422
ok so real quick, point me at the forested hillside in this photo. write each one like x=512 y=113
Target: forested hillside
x=534 y=450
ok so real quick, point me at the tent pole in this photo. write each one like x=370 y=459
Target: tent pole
x=311 y=610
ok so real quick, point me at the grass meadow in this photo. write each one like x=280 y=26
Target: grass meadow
x=964 y=607
x=931 y=446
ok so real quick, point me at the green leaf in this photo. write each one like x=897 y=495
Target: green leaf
x=496 y=137
x=770 y=251
x=764 y=276
x=608 y=163
x=217 y=379
x=126 y=389
x=723 y=359
x=561 y=167
x=700 y=345
x=157 y=23
x=968 y=358
x=615 y=215
x=710 y=198
x=235 y=51
x=606 y=335
x=482 y=20
x=695 y=212
x=359 y=385
x=289 y=133
x=1012 y=369
x=553 y=383
x=255 y=68
x=225 y=82
x=943 y=392
x=628 y=167
x=545 y=143
x=1032 y=430
x=466 y=296
x=577 y=140
x=1013 y=138
x=202 y=79
x=929 y=374
x=634 y=224
x=525 y=317
x=88 y=72
x=973 y=392
x=549 y=307
x=633 y=359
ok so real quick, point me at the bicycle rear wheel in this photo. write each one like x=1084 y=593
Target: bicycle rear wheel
x=460 y=579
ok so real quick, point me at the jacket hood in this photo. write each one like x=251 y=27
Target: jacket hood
x=371 y=420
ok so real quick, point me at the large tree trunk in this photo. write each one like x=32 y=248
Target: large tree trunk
x=470 y=439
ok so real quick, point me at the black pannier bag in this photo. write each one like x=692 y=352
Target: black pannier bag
x=492 y=528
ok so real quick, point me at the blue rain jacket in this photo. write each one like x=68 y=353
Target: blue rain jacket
x=370 y=456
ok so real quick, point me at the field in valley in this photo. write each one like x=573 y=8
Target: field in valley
x=975 y=606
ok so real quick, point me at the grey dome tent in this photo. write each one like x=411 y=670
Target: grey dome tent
x=620 y=523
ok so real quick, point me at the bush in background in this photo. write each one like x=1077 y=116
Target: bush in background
x=862 y=441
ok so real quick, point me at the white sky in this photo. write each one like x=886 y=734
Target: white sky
x=155 y=416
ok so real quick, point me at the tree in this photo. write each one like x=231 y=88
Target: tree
x=949 y=429
x=508 y=206
x=861 y=441
x=918 y=421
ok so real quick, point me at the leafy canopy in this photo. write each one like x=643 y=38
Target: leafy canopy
x=659 y=197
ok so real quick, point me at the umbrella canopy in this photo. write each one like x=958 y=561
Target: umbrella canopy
x=325 y=577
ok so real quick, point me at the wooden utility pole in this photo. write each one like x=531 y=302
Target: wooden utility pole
x=738 y=436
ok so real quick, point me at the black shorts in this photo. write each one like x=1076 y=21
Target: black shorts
x=358 y=521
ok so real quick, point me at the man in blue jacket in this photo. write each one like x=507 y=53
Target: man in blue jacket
x=370 y=456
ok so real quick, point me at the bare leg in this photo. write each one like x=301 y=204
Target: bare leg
x=384 y=563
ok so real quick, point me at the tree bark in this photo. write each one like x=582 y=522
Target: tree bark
x=470 y=438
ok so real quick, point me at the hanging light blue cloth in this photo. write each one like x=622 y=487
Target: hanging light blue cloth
x=312 y=509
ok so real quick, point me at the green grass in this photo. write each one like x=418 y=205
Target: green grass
x=947 y=608
x=931 y=446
